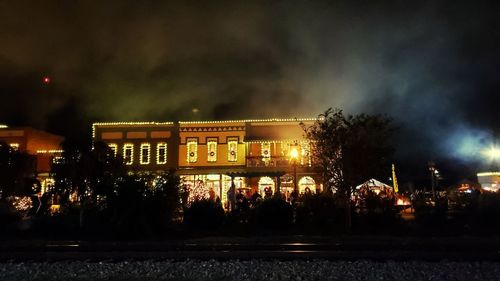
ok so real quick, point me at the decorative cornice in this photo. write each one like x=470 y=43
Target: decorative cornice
x=212 y=129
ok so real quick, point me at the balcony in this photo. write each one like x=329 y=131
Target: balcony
x=273 y=161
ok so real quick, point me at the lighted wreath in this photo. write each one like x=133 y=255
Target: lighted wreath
x=233 y=152
x=191 y=154
x=212 y=153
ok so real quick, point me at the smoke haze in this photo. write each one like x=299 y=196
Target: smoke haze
x=430 y=65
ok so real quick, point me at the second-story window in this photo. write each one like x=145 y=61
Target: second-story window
x=114 y=148
x=145 y=153
x=161 y=153
x=128 y=153
x=232 y=150
x=305 y=154
x=266 y=151
x=192 y=150
x=212 y=150
x=14 y=146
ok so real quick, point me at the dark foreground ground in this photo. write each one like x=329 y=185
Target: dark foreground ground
x=376 y=248
x=257 y=258
x=254 y=269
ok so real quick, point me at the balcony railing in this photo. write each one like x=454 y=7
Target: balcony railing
x=273 y=161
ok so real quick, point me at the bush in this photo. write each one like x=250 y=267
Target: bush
x=274 y=213
x=9 y=217
x=487 y=213
x=204 y=215
x=319 y=213
x=380 y=215
x=427 y=215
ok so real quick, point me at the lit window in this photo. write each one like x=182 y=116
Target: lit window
x=192 y=150
x=232 y=150
x=212 y=150
x=14 y=146
x=128 y=153
x=305 y=154
x=266 y=150
x=114 y=148
x=161 y=153
x=145 y=149
x=58 y=160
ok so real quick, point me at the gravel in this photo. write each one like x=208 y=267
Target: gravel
x=250 y=270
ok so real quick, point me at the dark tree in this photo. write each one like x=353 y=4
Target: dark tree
x=17 y=172
x=86 y=173
x=350 y=149
x=144 y=205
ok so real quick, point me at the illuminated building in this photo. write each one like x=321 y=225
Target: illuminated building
x=45 y=147
x=211 y=156
x=490 y=181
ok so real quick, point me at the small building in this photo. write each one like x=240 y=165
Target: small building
x=490 y=181
x=44 y=146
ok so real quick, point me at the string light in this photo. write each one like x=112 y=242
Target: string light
x=161 y=154
x=251 y=120
x=212 y=151
x=128 y=148
x=145 y=153
x=114 y=148
x=232 y=155
x=192 y=150
x=50 y=151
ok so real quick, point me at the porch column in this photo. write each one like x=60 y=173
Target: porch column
x=278 y=185
x=232 y=193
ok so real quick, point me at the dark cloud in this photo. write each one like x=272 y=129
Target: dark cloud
x=431 y=65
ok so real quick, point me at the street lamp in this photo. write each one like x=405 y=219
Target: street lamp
x=294 y=156
x=434 y=177
x=493 y=153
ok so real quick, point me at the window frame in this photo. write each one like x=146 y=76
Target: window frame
x=212 y=158
x=194 y=157
x=145 y=146
x=230 y=156
x=161 y=145
x=128 y=146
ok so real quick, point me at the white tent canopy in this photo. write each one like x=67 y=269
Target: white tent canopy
x=374 y=184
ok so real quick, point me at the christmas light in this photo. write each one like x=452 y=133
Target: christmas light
x=51 y=151
x=14 y=146
x=161 y=153
x=232 y=150
x=114 y=148
x=212 y=151
x=192 y=150
x=128 y=153
x=251 y=120
x=265 y=149
x=145 y=153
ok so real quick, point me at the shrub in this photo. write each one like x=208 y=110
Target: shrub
x=8 y=218
x=380 y=215
x=319 y=213
x=488 y=212
x=274 y=213
x=204 y=215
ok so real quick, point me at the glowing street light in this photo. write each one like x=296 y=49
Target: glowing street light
x=493 y=153
x=294 y=154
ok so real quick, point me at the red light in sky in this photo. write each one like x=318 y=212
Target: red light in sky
x=46 y=80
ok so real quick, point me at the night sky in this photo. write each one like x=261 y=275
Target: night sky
x=430 y=65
